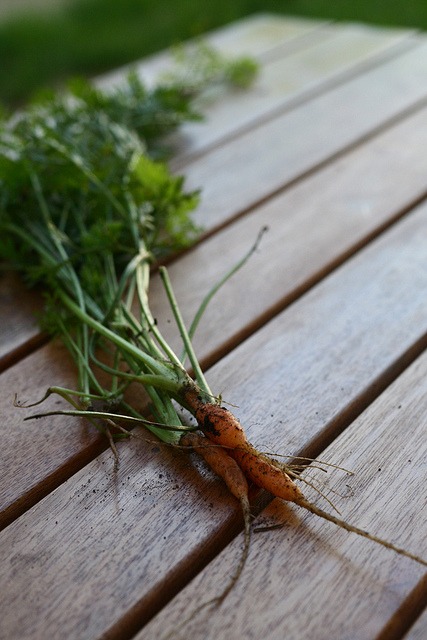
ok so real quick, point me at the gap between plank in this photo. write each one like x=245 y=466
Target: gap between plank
x=407 y=43
x=37 y=341
x=327 y=435
x=390 y=122
x=407 y=614
x=298 y=43
x=137 y=617
x=51 y=482
x=291 y=298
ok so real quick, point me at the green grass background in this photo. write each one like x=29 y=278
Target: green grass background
x=86 y=37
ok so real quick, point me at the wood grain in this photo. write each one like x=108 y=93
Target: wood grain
x=419 y=630
x=338 y=50
x=259 y=163
x=36 y=456
x=105 y=543
x=311 y=580
x=105 y=553
x=311 y=227
x=19 y=333
x=332 y=56
x=43 y=453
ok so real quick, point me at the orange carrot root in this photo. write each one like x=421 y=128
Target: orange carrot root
x=223 y=428
x=220 y=462
x=266 y=475
x=226 y=468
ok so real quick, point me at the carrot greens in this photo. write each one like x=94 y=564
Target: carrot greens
x=86 y=207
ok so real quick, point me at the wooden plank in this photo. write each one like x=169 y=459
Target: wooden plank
x=35 y=457
x=260 y=35
x=336 y=54
x=313 y=580
x=19 y=333
x=138 y=543
x=419 y=630
x=312 y=226
x=242 y=173
x=23 y=329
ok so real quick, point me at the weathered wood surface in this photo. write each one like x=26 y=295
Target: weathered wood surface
x=37 y=456
x=419 y=630
x=235 y=178
x=286 y=80
x=18 y=332
x=375 y=301
x=355 y=198
x=90 y=553
x=311 y=580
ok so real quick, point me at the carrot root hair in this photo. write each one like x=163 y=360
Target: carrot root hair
x=221 y=427
x=317 y=511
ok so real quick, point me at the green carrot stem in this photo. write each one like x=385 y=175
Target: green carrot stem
x=142 y=280
x=201 y=380
x=151 y=363
x=217 y=286
x=111 y=416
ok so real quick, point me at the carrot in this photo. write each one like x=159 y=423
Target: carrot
x=221 y=427
x=221 y=463
x=216 y=422
x=226 y=468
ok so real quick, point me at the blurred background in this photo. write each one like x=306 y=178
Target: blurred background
x=44 y=42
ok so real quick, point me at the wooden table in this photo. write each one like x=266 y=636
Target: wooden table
x=319 y=342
